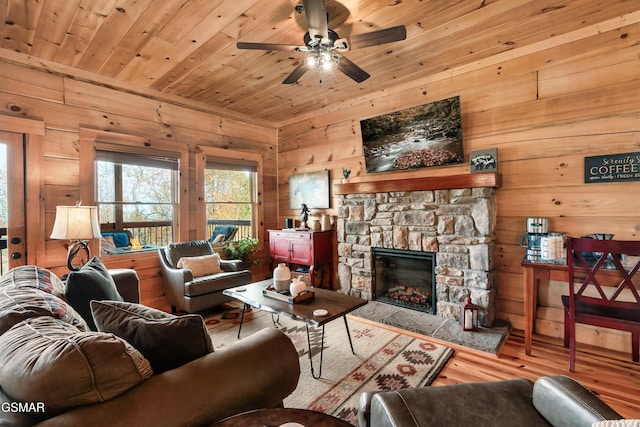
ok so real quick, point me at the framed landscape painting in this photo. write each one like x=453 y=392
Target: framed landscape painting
x=425 y=136
x=310 y=188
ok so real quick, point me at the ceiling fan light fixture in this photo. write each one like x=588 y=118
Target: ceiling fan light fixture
x=321 y=60
x=323 y=46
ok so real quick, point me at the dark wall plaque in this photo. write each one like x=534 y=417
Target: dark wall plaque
x=612 y=168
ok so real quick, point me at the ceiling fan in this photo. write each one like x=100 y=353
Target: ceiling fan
x=322 y=45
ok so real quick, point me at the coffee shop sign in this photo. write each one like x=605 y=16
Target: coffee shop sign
x=612 y=168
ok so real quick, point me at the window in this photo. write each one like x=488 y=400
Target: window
x=137 y=193
x=230 y=199
x=229 y=194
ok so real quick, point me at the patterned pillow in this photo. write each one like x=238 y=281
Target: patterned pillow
x=31 y=276
x=18 y=304
x=168 y=341
x=46 y=360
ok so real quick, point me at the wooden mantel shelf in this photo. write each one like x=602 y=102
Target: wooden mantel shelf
x=475 y=180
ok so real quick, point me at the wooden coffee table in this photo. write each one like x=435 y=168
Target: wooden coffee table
x=279 y=416
x=336 y=304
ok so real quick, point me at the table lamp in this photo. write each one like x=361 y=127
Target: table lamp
x=78 y=224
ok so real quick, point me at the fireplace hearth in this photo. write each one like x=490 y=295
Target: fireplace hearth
x=405 y=278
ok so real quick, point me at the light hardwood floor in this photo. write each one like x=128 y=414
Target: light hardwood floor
x=611 y=375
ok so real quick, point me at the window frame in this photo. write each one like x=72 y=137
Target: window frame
x=88 y=140
x=257 y=220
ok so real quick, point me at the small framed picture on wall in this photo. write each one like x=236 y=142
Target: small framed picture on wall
x=484 y=160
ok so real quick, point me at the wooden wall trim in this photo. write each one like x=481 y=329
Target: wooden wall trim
x=490 y=179
x=22 y=125
x=76 y=74
x=328 y=112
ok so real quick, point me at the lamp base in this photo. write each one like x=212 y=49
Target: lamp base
x=77 y=250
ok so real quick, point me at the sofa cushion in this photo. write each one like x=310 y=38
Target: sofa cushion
x=216 y=283
x=202 y=265
x=18 y=304
x=168 y=341
x=31 y=276
x=91 y=282
x=46 y=360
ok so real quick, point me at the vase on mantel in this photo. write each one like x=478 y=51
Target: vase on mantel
x=325 y=222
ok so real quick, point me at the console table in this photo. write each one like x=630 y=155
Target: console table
x=304 y=247
x=534 y=272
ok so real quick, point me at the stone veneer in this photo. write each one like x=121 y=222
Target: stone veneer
x=455 y=224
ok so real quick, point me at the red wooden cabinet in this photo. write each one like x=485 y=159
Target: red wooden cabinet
x=302 y=247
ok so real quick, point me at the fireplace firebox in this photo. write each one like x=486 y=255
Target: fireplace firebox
x=405 y=278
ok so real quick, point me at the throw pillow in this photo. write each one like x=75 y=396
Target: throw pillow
x=106 y=242
x=202 y=265
x=218 y=239
x=45 y=360
x=31 y=276
x=91 y=282
x=121 y=239
x=18 y=304
x=168 y=341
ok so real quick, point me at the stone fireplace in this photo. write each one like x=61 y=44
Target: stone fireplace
x=452 y=217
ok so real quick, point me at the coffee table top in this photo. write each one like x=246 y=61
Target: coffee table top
x=337 y=304
x=279 y=416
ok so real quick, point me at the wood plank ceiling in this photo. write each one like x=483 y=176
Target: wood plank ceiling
x=187 y=48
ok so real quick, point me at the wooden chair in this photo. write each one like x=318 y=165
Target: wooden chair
x=602 y=291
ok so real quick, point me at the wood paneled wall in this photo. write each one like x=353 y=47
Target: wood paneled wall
x=65 y=105
x=545 y=108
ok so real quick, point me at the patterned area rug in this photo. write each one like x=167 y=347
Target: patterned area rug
x=383 y=359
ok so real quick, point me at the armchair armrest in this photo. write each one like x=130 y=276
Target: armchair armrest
x=127 y=283
x=364 y=408
x=564 y=402
x=231 y=265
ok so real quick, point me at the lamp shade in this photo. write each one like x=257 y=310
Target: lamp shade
x=76 y=223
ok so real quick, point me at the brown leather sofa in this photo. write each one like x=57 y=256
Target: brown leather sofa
x=551 y=401
x=256 y=372
x=193 y=294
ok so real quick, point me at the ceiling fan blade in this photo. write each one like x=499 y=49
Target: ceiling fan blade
x=352 y=70
x=295 y=74
x=267 y=46
x=316 y=13
x=375 y=38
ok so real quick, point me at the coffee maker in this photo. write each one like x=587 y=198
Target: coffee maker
x=537 y=228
